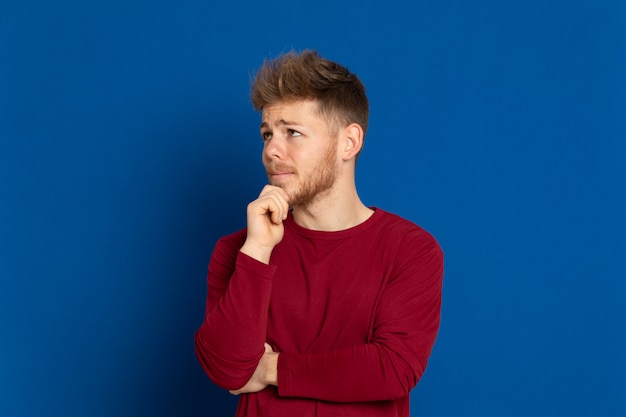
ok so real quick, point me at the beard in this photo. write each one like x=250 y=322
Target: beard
x=313 y=184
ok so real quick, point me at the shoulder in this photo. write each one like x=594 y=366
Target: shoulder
x=227 y=247
x=404 y=231
x=416 y=254
x=234 y=239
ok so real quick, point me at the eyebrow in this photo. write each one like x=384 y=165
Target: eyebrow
x=281 y=122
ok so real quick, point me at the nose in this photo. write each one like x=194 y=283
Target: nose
x=274 y=148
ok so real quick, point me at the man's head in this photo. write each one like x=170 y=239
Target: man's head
x=340 y=95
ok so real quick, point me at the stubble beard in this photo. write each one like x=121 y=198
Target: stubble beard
x=319 y=181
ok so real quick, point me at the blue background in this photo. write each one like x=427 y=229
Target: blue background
x=128 y=146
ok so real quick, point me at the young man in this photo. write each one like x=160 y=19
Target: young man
x=322 y=306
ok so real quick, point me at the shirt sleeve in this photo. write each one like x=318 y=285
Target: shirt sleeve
x=229 y=343
x=390 y=364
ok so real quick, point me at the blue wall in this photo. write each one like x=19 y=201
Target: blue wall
x=128 y=146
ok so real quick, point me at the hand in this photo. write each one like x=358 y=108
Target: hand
x=265 y=222
x=265 y=374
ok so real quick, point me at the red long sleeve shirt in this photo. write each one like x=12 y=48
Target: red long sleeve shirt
x=354 y=315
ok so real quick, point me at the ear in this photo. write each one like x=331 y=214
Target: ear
x=352 y=142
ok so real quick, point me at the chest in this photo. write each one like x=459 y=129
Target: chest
x=324 y=295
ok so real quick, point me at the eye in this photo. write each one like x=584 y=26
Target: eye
x=266 y=136
x=293 y=133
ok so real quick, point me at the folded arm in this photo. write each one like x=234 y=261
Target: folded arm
x=229 y=343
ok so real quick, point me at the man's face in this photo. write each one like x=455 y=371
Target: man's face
x=299 y=151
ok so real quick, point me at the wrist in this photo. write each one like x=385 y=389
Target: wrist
x=258 y=252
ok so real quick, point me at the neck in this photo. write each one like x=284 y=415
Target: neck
x=332 y=212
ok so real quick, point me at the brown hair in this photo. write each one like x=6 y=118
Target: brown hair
x=307 y=76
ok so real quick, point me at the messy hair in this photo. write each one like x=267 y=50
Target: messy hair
x=307 y=76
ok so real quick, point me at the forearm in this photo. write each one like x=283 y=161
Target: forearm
x=368 y=372
x=230 y=341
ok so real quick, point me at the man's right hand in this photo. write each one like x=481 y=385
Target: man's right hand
x=265 y=223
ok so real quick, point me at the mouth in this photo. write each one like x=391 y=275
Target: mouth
x=278 y=176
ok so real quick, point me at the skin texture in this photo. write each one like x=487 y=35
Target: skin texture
x=300 y=153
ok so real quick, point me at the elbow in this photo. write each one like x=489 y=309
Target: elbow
x=402 y=384
x=230 y=373
x=404 y=372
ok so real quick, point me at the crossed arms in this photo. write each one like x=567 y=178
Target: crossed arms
x=231 y=343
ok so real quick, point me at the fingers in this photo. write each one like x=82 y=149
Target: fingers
x=265 y=218
x=275 y=201
x=274 y=190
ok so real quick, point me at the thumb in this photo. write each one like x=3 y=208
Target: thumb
x=268 y=348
